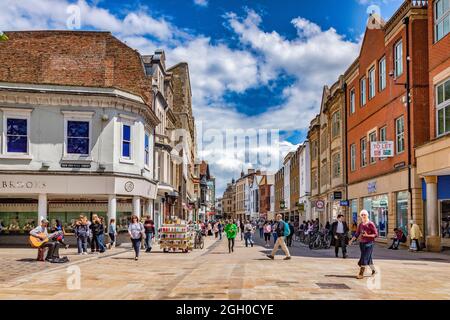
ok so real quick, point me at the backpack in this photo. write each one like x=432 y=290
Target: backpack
x=287 y=230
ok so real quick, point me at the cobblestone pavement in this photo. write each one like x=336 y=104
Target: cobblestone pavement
x=213 y=273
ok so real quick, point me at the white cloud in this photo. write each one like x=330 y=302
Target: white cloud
x=314 y=58
x=202 y=3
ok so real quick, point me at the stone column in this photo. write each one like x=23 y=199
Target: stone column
x=137 y=206
x=149 y=209
x=112 y=208
x=42 y=208
x=433 y=239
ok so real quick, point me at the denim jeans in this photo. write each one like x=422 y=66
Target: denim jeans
x=82 y=244
x=148 y=240
x=136 y=245
x=101 y=242
x=248 y=239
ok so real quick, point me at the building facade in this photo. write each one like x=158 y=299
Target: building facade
x=391 y=64
x=304 y=182
x=433 y=161
x=77 y=129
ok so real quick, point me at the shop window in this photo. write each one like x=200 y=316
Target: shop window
x=441 y=19
x=354 y=211
x=445 y=219
x=377 y=207
x=402 y=211
x=18 y=222
x=443 y=108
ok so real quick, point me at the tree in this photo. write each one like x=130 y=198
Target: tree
x=3 y=37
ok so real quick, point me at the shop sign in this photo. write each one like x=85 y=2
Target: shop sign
x=372 y=187
x=337 y=195
x=12 y=185
x=399 y=165
x=344 y=203
x=382 y=149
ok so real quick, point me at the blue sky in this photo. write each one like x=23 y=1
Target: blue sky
x=257 y=64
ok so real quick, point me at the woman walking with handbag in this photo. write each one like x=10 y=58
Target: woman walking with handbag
x=368 y=232
x=136 y=231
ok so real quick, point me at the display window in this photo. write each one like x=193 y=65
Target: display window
x=445 y=219
x=18 y=222
x=402 y=211
x=377 y=207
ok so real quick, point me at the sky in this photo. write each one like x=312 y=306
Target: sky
x=254 y=65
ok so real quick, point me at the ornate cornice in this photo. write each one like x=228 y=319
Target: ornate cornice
x=11 y=98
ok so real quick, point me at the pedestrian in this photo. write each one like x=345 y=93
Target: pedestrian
x=398 y=238
x=101 y=235
x=112 y=233
x=216 y=230
x=149 y=227
x=274 y=232
x=242 y=230
x=231 y=230
x=368 y=232
x=96 y=229
x=209 y=229
x=339 y=236
x=59 y=230
x=291 y=233
x=248 y=234
x=282 y=230
x=136 y=231
x=415 y=235
x=267 y=232
x=220 y=227
x=261 y=229
x=81 y=231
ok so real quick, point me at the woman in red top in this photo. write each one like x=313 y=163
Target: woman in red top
x=368 y=232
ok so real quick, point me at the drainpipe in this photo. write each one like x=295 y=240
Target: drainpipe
x=408 y=112
x=345 y=163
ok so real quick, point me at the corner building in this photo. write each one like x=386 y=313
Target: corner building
x=377 y=111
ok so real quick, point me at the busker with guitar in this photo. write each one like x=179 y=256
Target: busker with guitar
x=41 y=240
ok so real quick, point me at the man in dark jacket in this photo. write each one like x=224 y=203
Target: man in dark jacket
x=339 y=233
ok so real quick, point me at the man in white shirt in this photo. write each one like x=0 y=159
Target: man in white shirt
x=41 y=233
x=339 y=233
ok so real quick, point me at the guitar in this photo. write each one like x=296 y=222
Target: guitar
x=36 y=242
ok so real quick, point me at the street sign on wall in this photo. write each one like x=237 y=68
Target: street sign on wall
x=381 y=149
x=320 y=205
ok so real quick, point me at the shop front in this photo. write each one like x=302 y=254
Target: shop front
x=26 y=199
x=386 y=198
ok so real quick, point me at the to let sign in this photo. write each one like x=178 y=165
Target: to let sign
x=383 y=149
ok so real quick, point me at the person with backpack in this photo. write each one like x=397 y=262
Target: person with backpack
x=231 y=231
x=282 y=231
x=136 y=231
x=82 y=234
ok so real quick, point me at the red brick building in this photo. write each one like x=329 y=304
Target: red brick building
x=433 y=160
x=377 y=111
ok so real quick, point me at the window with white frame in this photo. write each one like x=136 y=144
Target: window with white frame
x=372 y=138
x=441 y=19
x=398 y=58
x=352 y=101
x=77 y=134
x=363 y=91
x=127 y=136
x=147 y=149
x=363 y=152
x=16 y=131
x=382 y=74
x=443 y=107
x=353 y=157
x=371 y=83
x=336 y=124
x=400 y=134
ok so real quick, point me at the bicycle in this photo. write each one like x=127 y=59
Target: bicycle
x=199 y=241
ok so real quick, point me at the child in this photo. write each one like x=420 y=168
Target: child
x=60 y=235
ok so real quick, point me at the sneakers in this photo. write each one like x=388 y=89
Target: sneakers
x=136 y=258
x=270 y=257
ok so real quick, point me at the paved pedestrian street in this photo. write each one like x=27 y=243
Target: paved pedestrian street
x=212 y=273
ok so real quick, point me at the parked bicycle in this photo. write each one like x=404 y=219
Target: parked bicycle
x=319 y=240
